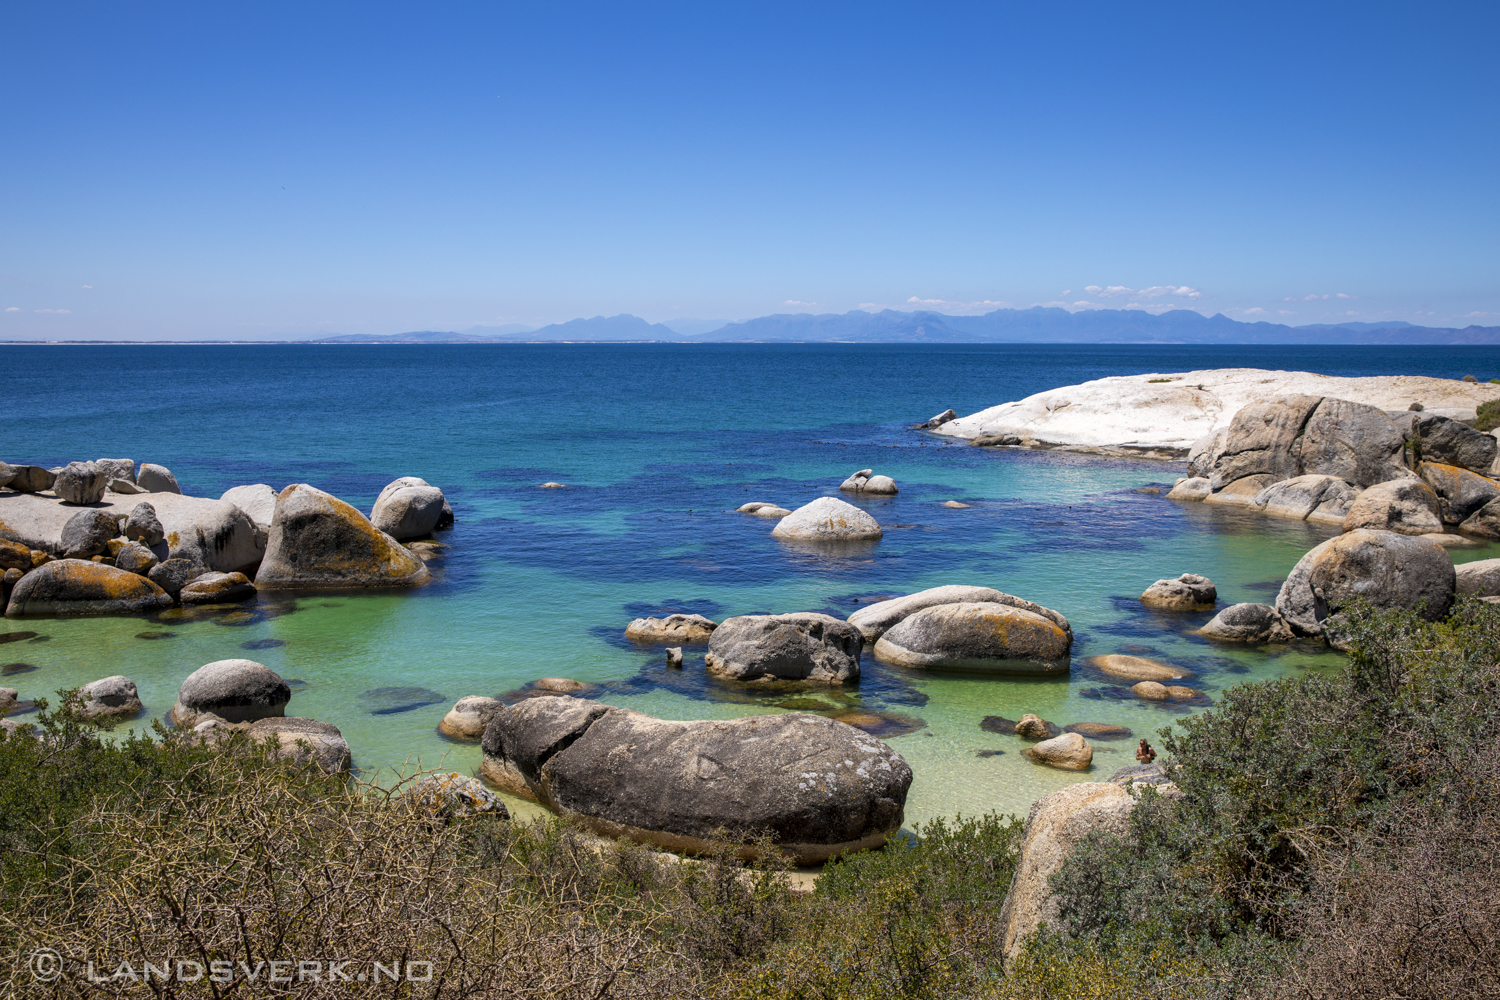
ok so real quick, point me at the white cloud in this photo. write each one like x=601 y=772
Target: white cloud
x=949 y=306
x=1065 y=293
x=56 y=312
x=1254 y=311
x=1341 y=295
x=1285 y=312
x=1154 y=292
x=794 y=302
x=13 y=309
x=88 y=286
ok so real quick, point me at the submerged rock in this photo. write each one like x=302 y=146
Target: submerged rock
x=686 y=629
x=1247 y=623
x=873 y=621
x=1189 y=592
x=80 y=587
x=317 y=540
x=819 y=787
x=977 y=638
x=802 y=646
x=827 y=519
x=1408 y=506
x=1099 y=731
x=215 y=588
x=1137 y=668
x=408 y=508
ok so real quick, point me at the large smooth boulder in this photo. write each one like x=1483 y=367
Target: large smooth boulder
x=1387 y=569
x=1192 y=488
x=1262 y=440
x=1247 y=623
x=978 y=638
x=1478 y=579
x=469 y=716
x=80 y=483
x=820 y=788
x=873 y=621
x=1460 y=492
x=1136 y=668
x=1067 y=752
x=1450 y=442
x=408 y=508
x=1055 y=826
x=317 y=540
x=1324 y=499
x=1485 y=521
x=30 y=478
x=87 y=533
x=1189 y=592
x=1352 y=441
x=80 y=587
x=802 y=646
x=686 y=629
x=157 y=479
x=233 y=690
x=216 y=588
x=1408 y=506
x=827 y=519
x=108 y=699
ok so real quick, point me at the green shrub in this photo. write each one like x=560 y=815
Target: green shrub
x=1488 y=414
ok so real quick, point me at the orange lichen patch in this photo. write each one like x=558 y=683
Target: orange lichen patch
x=318 y=540
x=77 y=586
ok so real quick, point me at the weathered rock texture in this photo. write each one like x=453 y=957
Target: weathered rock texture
x=1318 y=498
x=157 y=479
x=802 y=646
x=234 y=690
x=873 y=621
x=80 y=483
x=1449 y=442
x=1247 y=623
x=978 y=638
x=468 y=717
x=1056 y=824
x=305 y=741
x=1407 y=506
x=1068 y=752
x=827 y=519
x=1478 y=579
x=1485 y=522
x=408 y=508
x=819 y=787
x=317 y=540
x=109 y=699
x=80 y=587
x=1460 y=492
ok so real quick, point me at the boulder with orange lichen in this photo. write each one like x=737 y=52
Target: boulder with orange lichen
x=319 y=541
x=81 y=587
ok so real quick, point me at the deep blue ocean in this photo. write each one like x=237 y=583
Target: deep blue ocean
x=658 y=444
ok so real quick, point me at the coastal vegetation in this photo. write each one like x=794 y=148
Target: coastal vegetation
x=1336 y=835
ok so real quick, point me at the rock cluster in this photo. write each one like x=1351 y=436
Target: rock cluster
x=865 y=481
x=685 y=629
x=1189 y=592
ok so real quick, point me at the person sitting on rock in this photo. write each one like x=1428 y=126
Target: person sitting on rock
x=1144 y=753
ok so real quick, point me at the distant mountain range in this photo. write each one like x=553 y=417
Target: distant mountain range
x=1037 y=325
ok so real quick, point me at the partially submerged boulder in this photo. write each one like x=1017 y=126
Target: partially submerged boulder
x=1056 y=824
x=109 y=699
x=1389 y=570
x=408 y=508
x=468 y=717
x=80 y=587
x=1136 y=668
x=983 y=638
x=819 y=787
x=827 y=519
x=1247 y=623
x=762 y=509
x=686 y=629
x=1408 y=506
x=1189 y=592
x=1241 y=492
x=317 y=540
x=1068 y=752
x=233 y=690
x=1033 y=727
x=874 y=620
x=802 y=646
x=1192 y=488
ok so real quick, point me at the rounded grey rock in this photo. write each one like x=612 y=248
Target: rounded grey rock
x=134 y=557
x=803 y=646
x=233 y=690
x=142 y=525
x=80 y=483
x=109 y=698
x=88 y=532
x=827 y=519
x=157 y=479
x=1247 y=623
x=172 y=575
x=408 y=511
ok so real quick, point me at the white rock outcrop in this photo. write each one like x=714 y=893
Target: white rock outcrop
x=1163 y=415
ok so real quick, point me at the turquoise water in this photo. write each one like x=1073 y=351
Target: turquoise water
x=658 y=444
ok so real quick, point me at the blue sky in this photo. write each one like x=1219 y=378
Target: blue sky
x=286 y=170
